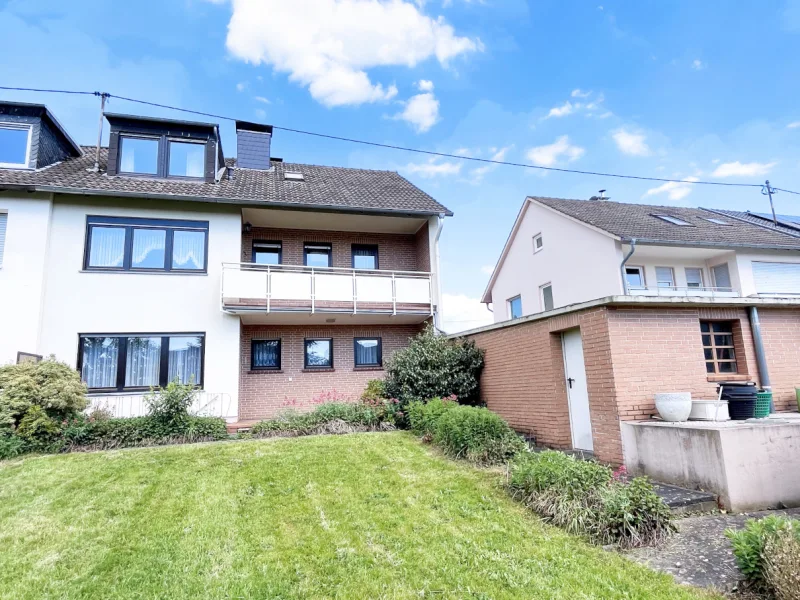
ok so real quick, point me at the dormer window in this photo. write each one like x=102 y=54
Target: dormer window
x=138 y=155
x=15 y=145
x=186 y=159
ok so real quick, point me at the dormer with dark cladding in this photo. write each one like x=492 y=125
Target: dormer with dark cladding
x=42 y=139
x=164 y=148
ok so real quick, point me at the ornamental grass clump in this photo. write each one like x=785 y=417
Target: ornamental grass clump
x=586 y=499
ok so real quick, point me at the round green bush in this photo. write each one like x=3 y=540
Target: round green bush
x=477 y=435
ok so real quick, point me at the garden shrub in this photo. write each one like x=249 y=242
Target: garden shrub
x=170 y=405
x=585 y=498
x=433 y=366
x=749 y=545
x=782 y=564
x=477 y=435
x=375 y=390
x=331 y=417
x=36 y=428
x=423 y=416
x=53 y=386
x=11 y=445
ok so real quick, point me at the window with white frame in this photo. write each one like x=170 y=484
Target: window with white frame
x=694 y=277
x=514 y=307
x=665 y=277
x=634 y=277
x=547 y=296
x=538 y=244
x=15 y=145
x=721 y=276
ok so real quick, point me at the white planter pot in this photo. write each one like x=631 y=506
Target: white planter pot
x=674 y=406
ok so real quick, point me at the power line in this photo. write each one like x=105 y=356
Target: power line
x=787 y=191
x=401 y=148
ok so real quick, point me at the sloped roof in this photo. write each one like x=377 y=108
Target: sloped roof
x=628 y=221
x=335 y=188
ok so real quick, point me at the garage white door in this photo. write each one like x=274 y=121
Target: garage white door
x=777 y=278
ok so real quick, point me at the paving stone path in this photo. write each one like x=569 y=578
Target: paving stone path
x=700 y=554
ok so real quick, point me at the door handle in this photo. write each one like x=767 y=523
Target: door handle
x=569 y=381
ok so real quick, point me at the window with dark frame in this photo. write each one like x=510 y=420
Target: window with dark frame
x=131 y=244
x=368 y=352
x=186 y=159
x=718 y=347
x=365 y=256
x=318 y=353
x=161 y=156
x=267 y=253
x=265 y=355
x=138 y=155
x=138 y=362
x=317 y=255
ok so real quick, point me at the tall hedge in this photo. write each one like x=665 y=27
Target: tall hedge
x=434 y=366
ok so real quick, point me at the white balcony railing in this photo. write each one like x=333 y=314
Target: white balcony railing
x=205 y=404
x=284 y=288
x=681 y=292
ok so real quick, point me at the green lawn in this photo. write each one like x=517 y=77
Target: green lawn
x=357 y=516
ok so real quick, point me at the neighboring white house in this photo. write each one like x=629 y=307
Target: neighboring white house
x=562 y=252
x=258 y=280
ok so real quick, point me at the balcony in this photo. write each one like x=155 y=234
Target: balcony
x=277 y=291
x=684 y=292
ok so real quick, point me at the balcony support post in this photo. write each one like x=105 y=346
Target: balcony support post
x=394 y=296
x=313 y=290
x=355 y=294
x=269 y=289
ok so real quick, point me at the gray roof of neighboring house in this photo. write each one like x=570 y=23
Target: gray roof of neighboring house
x=45 y=113
x=333 y=188
x=628 y=221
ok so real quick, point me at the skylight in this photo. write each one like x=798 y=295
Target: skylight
x=716 y=221
x=293 y=176
x=671 y=219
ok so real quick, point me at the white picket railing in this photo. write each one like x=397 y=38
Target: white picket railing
x=206 y=404
x=676 y=291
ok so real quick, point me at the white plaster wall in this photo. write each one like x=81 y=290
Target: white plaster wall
x=580 y=263
x=77 y=302
x=22 y=272
x=744 y=265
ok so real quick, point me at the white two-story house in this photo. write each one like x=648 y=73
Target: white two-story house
x=263 y=282
x=563 y=252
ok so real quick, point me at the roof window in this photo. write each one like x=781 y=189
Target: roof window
x=293 y=176
x=716 y=221
x=671 y=219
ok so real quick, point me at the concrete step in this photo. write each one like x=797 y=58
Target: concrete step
x=681 y=500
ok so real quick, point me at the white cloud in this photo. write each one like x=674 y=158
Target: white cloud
x=329 y=45
x=262 y=100
x=561 y=111
x=569 y=107
x=579 y=93
x=460 y=313
x=433 y=168
x=421 y=111
x=549 y=155
x=674 y=190
x=630 y=142
x=738 y=169
x=241 y=86
x=425 y=85
x=698 y=65
x=487 y=269
x=793 y=125
x=498 y=154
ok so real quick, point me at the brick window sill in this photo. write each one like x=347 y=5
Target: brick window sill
x=319 y=370
x=265 y=371
x=716 y=378
x=368 y=368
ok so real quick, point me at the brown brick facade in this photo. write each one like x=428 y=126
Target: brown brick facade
x=396 y=252
x=630 y=354
x=264 y=394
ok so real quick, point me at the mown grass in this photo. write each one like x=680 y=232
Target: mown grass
x=357 y=516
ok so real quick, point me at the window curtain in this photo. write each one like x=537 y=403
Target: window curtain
x=143 y=364
x=367 y=352
x=188 y=250
x=149 y=246
x=185 y=359
x=99 y=363
x=107 y=247
x=266 y=353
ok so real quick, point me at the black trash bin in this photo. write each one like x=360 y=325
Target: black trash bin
x=741 y=398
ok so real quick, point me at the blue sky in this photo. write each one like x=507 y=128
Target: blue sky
x=679 y=89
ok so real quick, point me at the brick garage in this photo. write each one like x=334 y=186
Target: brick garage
x=263 y=394
x=632 y=349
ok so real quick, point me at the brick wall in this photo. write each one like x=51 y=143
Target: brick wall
x=780 y=330
x=396 y=252
x=263 y=394
x=422 y=243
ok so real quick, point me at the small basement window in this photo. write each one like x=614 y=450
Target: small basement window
x=671 y=219
x=15 y=145
x=718 y=346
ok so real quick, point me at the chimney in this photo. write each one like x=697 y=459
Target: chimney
x=253 y=145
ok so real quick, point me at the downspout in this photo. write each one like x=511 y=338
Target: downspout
x=437 y=319
x=761 y=359
x=622 y=266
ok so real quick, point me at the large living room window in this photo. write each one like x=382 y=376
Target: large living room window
x=131 y=244
x=718 y=347
x=116 y=363
x=265 y=355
